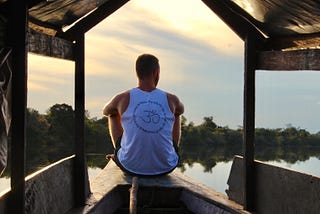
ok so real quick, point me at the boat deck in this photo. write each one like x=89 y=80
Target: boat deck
x=170 y=193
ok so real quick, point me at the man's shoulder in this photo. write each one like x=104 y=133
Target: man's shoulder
x=122 y=95
x=175 y=104
x=121 y=101
x=172 y=97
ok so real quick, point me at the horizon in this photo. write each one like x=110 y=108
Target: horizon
x=289 y=125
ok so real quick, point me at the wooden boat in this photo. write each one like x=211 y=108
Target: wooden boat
x=172 y=193
x=277 y=36
x=51 y=190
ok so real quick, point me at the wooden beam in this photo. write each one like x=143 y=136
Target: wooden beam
x=50 y=46
x=249 y=122
x=80 y=161
x=92 y=19
x=238 y=23
x=301 y=41
x=289 y=60
x=18 y=42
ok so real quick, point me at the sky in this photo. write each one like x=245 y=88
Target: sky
x=201 y=62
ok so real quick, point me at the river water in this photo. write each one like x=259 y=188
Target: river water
x=218 y=176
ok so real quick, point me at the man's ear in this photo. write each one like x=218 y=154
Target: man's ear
x=156 y=75
x=155 y=72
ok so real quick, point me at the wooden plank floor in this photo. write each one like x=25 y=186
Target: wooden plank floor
x=106 y=188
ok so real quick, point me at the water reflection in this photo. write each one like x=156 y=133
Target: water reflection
x=218 y=175
x=210 y=164
x=309 y=166
x=216 y=179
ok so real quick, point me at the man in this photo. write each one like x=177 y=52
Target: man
x=144 y=123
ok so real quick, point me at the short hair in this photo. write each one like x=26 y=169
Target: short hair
x=145 y=65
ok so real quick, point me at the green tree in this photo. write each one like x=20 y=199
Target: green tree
x=209 y=124
x=97 y=136
x=61 y=131
x=37 y=131
x=50 y=137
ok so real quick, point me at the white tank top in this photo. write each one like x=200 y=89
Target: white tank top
x=146 y=144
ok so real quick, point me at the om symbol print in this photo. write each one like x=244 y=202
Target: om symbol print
x=149 y=116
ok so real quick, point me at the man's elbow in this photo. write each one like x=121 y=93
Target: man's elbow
x=108 y=112
x=179 y=111
x=105 y=112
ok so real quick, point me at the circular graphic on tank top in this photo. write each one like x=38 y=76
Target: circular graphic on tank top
x=149 y=116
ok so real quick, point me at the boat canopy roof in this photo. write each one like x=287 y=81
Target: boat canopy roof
x=293 y=20
x=276 y=18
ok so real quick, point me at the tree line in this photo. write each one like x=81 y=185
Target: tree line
x=50 y=137
x=209 y=143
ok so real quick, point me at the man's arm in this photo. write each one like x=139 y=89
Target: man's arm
x=178 y=109
x=114 y=119
x=115 y=129
x=176 y=132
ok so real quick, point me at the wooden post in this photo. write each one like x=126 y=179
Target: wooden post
x=248 y=123
x=80 y=163
x=17 y=40
x=133 y=196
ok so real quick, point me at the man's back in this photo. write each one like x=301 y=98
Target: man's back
x=148 y=120
x=146 y=145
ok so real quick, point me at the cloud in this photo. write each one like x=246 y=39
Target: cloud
x=293 y=102
x=48 y=75
x=95 y=104
x=47 y=65
x=50 y=81
x=115 y=42
x=37 y=87
x=195 y=21
x=113 y=46
x=45 y=77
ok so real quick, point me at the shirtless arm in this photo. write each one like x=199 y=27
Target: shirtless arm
x=111 y=110
x=176 y=132
x=178 y=109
